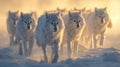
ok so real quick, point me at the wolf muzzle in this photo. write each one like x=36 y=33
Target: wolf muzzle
x=14 y=23
x=102 y=21
x=55 y=29
x=28 y=27
x=78 y=24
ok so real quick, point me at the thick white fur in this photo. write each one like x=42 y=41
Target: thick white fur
x=96 y=28
x=11 y=25
x=72 y=33
x=24 y=35
x=45 y=35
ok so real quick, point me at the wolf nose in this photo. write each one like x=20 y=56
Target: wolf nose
x=78 y=26
x=102 y=21
x=14 y=22
x=28 y=27
x=55 y=29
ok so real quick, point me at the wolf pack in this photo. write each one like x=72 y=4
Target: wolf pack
x=58 y=28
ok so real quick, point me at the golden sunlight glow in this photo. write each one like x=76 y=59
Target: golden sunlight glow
x=40 y=6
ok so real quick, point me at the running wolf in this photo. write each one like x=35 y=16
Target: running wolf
x=25 y=33
x=49 y=32
x=11 y=25
x=97 y=23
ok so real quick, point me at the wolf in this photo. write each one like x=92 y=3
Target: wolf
x=74 y=25
x=11 y=25
x=97 y=23
x=25 y=33
x=49 y=32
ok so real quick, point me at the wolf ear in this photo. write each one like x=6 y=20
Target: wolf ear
x=80 y=12
x=58 y=9
x=46 y=14
x=75 y=8
x=69 y=13
x=105 y=8
x=17 y=12
x=32 y=13
x=9 y=12
x=58 y=13
x=96 y=9
x=83 y=9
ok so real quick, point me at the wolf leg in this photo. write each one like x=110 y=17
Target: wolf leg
x=75 y=49
x=25 y=47
x=44 y=52
x=56 y=56
x=20 y=49
x=11 y=40
x=102 y=39
x=31 y=42
x=94 y=40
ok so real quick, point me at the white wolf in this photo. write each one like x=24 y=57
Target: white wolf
x=74 y=25
x=49 y=31
x=25 y=33
x=97 y=22
x=11 y=25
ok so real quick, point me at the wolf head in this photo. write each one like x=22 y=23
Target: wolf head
x=27 y=19
x=101 y=14
x=13 y=16
x=53 y=20
x=76 y=17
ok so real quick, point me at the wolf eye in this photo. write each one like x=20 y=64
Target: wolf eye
x=51 y=22
x=74 y=20
x=79 y=21
x=99 y=16
x=25 y=22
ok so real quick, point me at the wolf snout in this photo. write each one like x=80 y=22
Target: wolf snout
x=55 y=29
x=78 y=25
x=14 y=23
x=28 y=27
x=102 y=21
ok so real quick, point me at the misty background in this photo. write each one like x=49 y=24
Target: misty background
x=112 y=37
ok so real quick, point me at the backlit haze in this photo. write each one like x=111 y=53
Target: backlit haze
x=113 y=8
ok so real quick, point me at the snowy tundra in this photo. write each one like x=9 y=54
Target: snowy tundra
x=11 y=25
x=49 y=32
x=25 y=33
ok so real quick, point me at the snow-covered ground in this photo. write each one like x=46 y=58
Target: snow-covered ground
x=107 y=55
x=100 y=57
